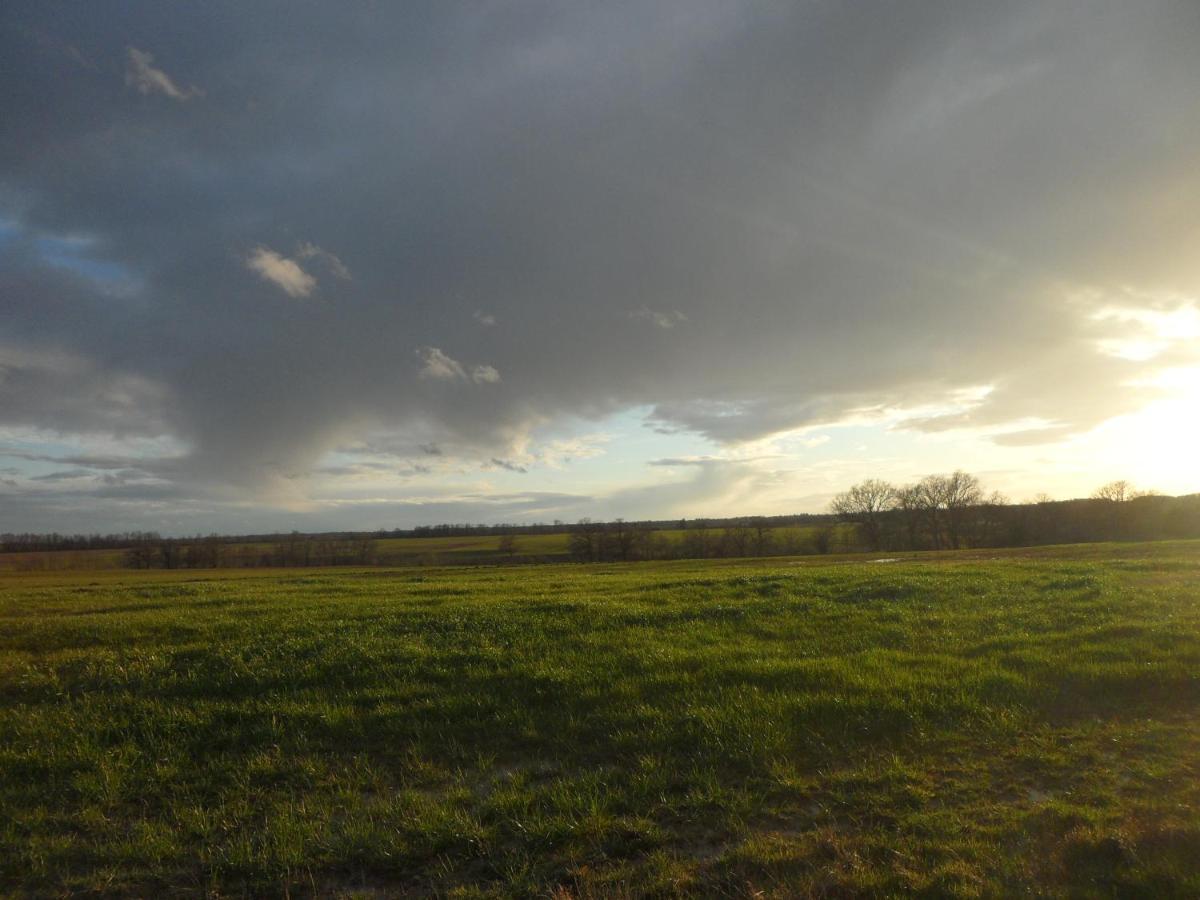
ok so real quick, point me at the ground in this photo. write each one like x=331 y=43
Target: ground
x=948 y=724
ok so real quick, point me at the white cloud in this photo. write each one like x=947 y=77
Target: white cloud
x=485 y=375
x=485 y=319
x=1169 y=321
x=145 y=78
x=659 y=319
x=439 y=366
x=558 y=453
x=282 y=272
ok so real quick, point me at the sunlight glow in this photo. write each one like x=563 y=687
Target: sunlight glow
x=1157 y=446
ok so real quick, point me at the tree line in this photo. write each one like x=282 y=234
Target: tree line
x=214 y=552
x=621 y=541
x=949 y=512
x=938 y=512
x=36 y=543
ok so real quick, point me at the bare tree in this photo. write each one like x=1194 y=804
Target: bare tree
x=584 y=541
x=912 y=503
x=822 y=538
x=1116 y=494
x=1115 y=491
x=948 y=497
x=623 y=539
x=735 y=540
x=697 y=542
x=508 y=545
x=762 y=538
x=865 y=504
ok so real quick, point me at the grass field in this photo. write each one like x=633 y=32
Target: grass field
x=969 y=724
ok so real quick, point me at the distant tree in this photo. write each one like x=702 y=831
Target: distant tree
x=735 y=540
x=697 y=542
x=170 y=552
x=508 y=545
x=822 y=538
x=912 y=503
x=791 y=542
x=949 y=498
x=1115 y=491
x=624 y=540
x=995 y=526
x=209 y=551
x=762 y=537
x=365 y=552
x=583 y=543
x=1120 y=516
x=865 y=504
x=142 y=555
x=642 y=543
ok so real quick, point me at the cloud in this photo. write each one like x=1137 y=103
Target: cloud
x=668 y=319
x=1030 y=436
x=509 y=465
x=437 y=365
x=771 y=218
x=64 y=475
x=55 y=390
x=674 y=461
x=145 y=78
x=560 y=452
x=712 y=484
x=282 y=272
x=335 y=265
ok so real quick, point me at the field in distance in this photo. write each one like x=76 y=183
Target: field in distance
x=969 y=724
x=436 y=550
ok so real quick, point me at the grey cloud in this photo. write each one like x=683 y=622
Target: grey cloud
x=672 y=461
x=308 y=250
x=668 y=319
x=850 y=207
x=509 y=465
x=711 y=484
x=65 y=475
x=74 y=394
x=127 y=465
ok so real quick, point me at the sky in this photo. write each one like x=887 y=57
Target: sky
x=360 y=265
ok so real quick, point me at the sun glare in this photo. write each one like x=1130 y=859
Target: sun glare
x=1157 y=446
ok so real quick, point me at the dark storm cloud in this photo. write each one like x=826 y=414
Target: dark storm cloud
x=748 y=217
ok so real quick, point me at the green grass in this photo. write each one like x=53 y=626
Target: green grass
x=956 y=724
